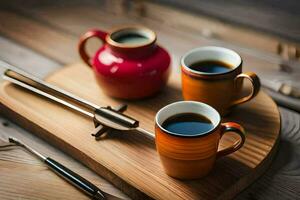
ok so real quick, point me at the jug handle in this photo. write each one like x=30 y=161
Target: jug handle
x=82 y=43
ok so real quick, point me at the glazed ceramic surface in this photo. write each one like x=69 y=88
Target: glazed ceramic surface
x=128 y=71
x=190 y=157
x=220 y=90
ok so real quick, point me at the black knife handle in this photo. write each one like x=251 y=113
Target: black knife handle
x=75 y=179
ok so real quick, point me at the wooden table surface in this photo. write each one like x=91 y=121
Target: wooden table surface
x=41 y=37
x=274 y=17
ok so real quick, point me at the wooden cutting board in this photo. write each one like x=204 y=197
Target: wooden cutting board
x=129 y=160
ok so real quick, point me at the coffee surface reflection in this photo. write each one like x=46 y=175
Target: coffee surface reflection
x=131 y=38
x=188 y=124
x=211 y=66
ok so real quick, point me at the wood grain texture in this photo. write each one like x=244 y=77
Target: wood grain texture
x=15 y=25
x=208 y=27
x=26 y=59
x=25 y=180
x=131 y=156
x=269 y=16
x=23 y=176
x=174 y=36
x=281 y=181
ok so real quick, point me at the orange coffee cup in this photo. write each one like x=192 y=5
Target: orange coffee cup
x=186 y=156
x=220 y=90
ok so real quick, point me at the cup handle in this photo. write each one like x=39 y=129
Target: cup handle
x=253 y=78
x=82 y=42
x=236 y=128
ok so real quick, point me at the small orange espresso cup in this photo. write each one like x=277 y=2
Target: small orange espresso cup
x=191 y=156
x=221 y=90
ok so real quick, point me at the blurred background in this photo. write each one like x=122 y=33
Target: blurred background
x=42 y=36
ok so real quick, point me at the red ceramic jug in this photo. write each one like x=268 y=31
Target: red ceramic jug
x=129 y=64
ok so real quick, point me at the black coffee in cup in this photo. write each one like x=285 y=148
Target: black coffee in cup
x=211 y=66
x=187 y=124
